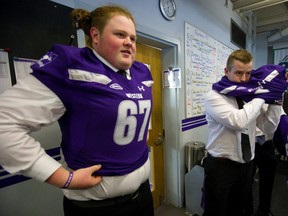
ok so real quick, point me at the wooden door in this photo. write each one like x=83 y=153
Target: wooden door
x=152 y=57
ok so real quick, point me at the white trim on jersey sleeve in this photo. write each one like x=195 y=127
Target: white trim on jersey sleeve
x=87 y=76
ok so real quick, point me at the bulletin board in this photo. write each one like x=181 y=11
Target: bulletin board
x=29 y=28
x=205 y=60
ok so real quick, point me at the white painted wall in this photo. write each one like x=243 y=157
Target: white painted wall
x=261 y=56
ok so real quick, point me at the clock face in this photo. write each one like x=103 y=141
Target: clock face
x=168 y=9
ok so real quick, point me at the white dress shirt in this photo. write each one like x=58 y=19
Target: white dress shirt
x=226 y=123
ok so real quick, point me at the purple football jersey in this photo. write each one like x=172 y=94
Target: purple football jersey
x=267 y=82
x=107 y=115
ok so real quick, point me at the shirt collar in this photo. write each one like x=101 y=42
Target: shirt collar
x=107 y=63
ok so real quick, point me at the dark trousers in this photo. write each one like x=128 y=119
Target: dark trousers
x=227 y=185
x=266 y=162
x=140 y=204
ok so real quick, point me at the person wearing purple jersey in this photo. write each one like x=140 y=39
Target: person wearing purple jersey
x=103 y=115
x=232 y=125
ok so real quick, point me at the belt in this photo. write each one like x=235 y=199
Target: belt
x=225 y=160
x=111 y=201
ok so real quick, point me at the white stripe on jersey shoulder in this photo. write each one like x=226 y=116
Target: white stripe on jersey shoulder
x=148 y=83
x=228 y=89
x=271 y=76
x=82 y=75
x=261 y=91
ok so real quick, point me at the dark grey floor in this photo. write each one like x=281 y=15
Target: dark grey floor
x=169 y=210
x=279 y=199
x=279 y=206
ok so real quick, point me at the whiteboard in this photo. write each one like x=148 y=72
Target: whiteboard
x=205 y=60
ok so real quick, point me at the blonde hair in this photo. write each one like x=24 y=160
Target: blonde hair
x=98 y=18
x=241 y=55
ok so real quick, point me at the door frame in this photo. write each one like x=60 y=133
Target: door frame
x=174 y=180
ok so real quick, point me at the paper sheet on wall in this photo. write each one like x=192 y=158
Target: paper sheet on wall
x=22 y=67
x=172 y=78
x=5 y=76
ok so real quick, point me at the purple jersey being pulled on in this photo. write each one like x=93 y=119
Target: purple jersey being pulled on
x=267 y=82
x=107 y=115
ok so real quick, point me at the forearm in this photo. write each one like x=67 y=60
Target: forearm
x=225 y=110
x=59 y=177
x=269 y=120
x=79 y=179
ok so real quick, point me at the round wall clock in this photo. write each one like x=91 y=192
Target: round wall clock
x=168 y=9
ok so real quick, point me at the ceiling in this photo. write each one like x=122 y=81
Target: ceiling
x=271 y=17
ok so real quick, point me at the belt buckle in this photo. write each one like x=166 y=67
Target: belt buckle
x=135 y=195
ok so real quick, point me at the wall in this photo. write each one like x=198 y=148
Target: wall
x=211 y=17
x=261 y=57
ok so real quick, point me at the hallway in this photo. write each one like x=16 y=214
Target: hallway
x=279 y=199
